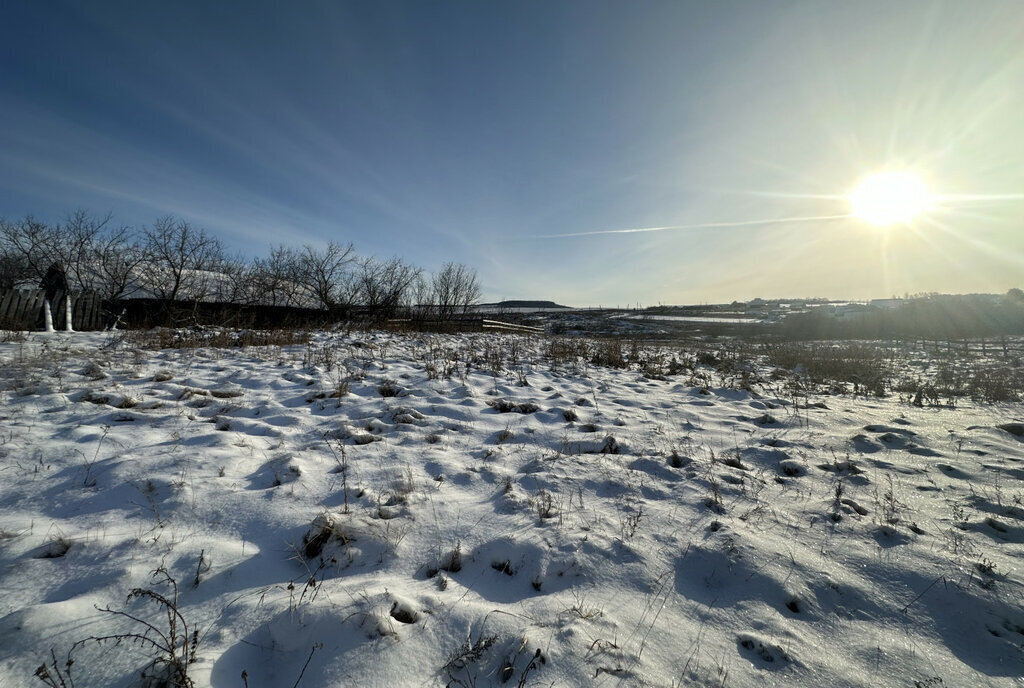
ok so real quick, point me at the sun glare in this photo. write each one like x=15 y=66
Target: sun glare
x=889 y=198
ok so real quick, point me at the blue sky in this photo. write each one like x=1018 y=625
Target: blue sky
x=467 y=130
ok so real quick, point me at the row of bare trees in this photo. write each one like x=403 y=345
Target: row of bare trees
x=92 y=253
x=174 y=261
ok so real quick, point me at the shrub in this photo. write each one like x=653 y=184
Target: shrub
x=174 y=643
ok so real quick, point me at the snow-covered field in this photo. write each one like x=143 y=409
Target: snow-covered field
x=384 y=510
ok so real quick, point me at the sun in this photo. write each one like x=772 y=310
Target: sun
x=889 y=198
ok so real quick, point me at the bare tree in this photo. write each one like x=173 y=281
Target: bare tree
x=27 y=249
x=277 y=279
x=98 y=256
x=455 y=288
x=384 y=286
x=232 y=282
x=240 y=283
x=180 y=260
x=73 y=246
x=33 y=250
x=93 y=255
x=115 y=264
x=13 y=266
x=421 y=296
x=324 y=273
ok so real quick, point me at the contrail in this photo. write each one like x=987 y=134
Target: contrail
x=706 y=225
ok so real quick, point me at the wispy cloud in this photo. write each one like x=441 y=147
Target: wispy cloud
x=701 y=225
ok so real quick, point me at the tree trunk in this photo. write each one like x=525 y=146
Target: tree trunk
x=47 y=316
x=67 y=313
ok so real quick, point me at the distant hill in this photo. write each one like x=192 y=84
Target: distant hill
x=522 y=304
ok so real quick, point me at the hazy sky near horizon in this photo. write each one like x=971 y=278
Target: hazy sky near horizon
x=479 y=131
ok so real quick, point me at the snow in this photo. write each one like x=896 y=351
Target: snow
x=374 y=509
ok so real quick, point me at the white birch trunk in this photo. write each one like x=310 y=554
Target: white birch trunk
x=67 y=313
x=47 y=316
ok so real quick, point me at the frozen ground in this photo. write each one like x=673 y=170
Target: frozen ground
x=382 y=510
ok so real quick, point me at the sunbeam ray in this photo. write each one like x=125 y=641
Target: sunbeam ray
x=993 y=250
x=977 y=198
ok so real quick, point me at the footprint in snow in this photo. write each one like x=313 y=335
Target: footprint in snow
x=1015 y=429
x=854 y=506
x=953 y=472
x=792 y=468
x=865 y=445
x=886 y=429
x=764 y=654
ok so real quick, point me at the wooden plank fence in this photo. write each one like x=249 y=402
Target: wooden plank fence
x=463 y=325
x=511 y=327
x=22 y=309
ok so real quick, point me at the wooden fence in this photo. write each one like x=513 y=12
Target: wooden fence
x=511 y=327
x=22 y=309
x=461 y=325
